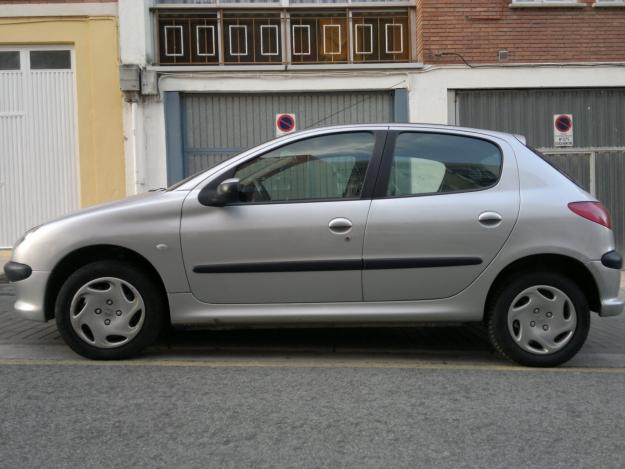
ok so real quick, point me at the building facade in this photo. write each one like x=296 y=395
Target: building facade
x=61 y=133
x=204 y=79
x=517 y=66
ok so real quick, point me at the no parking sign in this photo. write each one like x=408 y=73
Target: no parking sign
x=285 y=124
x=563 y=130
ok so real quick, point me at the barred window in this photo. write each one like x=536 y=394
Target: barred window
x=185 y=39
x=319 y=38
x=280 y=36
x=381 y=37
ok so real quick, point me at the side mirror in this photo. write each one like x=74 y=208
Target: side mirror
x=226 y=192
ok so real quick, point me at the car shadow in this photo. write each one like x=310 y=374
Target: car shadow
x=385 y=340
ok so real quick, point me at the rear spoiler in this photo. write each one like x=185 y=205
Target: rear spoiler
x=522 y=139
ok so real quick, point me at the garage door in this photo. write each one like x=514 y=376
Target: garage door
x=38 y=162
x=597 y=159
x=217 y=126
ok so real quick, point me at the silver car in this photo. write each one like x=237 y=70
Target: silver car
x=355 y=225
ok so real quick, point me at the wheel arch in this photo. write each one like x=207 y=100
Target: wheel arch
x=568 y=266
x=85 y=255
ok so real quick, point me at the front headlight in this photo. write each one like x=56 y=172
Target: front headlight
x=25 y=235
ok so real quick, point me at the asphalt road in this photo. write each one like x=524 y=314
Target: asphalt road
x=312 y=414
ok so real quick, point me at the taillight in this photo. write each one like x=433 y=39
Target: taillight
x=593 y=211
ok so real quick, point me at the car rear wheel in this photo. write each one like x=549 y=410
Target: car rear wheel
x=109 y=310
x=538 y=319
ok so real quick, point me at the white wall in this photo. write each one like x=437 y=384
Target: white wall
x=135 y=35
x=144 y=145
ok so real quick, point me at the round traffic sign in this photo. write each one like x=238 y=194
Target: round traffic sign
x=563 y=123
x=285 y=122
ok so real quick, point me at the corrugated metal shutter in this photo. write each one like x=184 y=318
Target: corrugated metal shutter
x=217 y=126
x=599 y=134
x=598 y=114
x=38 y=161
x=610 y=173
x=12 y=142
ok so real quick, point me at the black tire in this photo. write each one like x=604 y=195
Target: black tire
x=154 y=314
x=497 y=318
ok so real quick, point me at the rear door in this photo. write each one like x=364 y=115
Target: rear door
x=443 y=207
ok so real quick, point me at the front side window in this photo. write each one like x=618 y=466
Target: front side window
x=428 y=163
x=327 y=167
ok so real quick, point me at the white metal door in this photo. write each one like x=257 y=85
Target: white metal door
x=38 y=157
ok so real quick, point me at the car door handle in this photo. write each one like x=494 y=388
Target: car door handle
x=490 y=218
x=340 y=225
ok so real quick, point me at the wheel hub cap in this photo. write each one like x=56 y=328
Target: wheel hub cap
x=107 y=312
x=542 y=319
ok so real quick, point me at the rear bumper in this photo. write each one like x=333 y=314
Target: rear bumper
x=608 y=282
x=612 y=306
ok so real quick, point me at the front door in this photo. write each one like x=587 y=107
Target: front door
x=296 y=233
x=443 y=208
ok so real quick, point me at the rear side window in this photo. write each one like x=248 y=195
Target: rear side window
x=428 y=163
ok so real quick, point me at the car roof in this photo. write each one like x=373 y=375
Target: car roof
x=412 y=126
x=409 y=126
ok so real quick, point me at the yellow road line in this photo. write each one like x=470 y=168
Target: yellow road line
x=295 y=363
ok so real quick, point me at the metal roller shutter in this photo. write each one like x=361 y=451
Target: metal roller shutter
x=217 y=126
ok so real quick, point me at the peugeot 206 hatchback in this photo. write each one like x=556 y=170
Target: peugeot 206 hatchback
x=354 y=225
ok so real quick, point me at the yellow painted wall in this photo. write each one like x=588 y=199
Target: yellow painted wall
x=99 y=99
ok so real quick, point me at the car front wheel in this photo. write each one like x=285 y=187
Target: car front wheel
x=538 y=319
x=109 y=310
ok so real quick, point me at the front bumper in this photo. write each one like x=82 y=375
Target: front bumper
x=609 y=282
x=30 y=294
